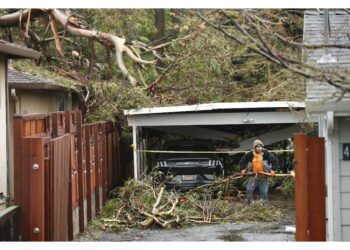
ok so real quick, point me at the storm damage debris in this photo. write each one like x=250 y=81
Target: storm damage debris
x=142 y=204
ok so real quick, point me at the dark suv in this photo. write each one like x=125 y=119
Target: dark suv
x=189 y=169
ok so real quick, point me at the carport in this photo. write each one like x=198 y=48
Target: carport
x=224 y=122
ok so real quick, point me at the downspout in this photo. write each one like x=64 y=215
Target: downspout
x=16 y=99
x=8 y=192
x=329 y=128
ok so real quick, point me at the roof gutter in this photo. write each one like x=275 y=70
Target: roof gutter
x=16 y=51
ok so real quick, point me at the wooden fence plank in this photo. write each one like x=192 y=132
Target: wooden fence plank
x=24 y=191
x=97 y=167
x=316 y=189
x=119 y=174
x=37 y=190
x=104 y=162
x=80 y=172
x=60 y=193
x=71 y=193
x=48 y=195
x=88 y=170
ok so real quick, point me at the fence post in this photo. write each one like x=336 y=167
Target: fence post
x=316 y=189
x=37 y=190
x=70 y=203
x=88 y=170
x=80 y=172
x=301 y=187
x=104 y=161
x=97 y=168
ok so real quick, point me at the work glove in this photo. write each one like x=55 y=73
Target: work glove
x=243 y=172
x=272 y=173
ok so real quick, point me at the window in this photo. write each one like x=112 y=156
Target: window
x=61 y=102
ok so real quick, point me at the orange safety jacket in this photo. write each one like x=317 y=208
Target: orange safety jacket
x=266 y=160
x=257 y=162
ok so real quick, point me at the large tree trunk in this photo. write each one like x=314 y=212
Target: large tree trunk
x=12 y=19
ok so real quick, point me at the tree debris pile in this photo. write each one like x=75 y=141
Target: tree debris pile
x=148 y=203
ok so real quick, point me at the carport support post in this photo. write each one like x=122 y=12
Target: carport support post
x=134 y=141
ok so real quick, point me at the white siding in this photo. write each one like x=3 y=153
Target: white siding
x=345 y=184
x=345 y=215
x=344 y=137
x=345 y=200
x=345 y=233
x=344 y=170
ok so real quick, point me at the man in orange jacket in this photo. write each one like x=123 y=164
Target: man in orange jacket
x=258 y=160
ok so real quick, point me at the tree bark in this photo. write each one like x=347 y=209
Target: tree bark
x=12 y=19
x=159 y=18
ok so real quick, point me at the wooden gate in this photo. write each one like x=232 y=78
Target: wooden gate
x=62 y=173
x=310 y=188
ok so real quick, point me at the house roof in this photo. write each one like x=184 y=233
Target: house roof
x=13 y=51
x=21 y=80
x=314 y=34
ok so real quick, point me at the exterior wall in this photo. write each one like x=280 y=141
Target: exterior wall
x=344 y=137
x=36 y=102
x=3 y=127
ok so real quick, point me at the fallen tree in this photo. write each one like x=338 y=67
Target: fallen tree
x=148 y=203
x=71 y=24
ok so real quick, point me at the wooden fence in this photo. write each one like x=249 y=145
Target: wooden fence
x=63 y=170
x=310 y=188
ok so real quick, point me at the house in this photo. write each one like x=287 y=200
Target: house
x=7 y=51
x=30 y=94
x=332 y=107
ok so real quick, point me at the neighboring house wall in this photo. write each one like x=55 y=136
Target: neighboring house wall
x=40 y=101
x=31 y=102
x=3 y=127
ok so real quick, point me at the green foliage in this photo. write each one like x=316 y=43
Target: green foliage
x=201 y=65
x=111 y=98
x=288 y=187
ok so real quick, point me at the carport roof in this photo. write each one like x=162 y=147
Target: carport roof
x=218 y=114
x=216 y=106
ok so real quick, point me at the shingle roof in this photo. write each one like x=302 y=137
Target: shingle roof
x=314 y=30
x=21 y=80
